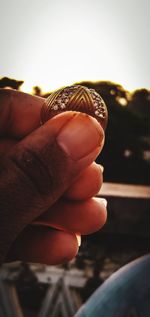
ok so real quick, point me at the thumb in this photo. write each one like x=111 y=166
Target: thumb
x=41 y=167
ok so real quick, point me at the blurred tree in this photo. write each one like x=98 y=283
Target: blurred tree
x=37 y=91
x=124 y=151
x=140 y=102
x=10 y=83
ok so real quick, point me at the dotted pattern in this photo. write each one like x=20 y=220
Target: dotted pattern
x=75 y=98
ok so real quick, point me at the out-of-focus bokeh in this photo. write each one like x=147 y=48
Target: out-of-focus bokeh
x=36 y=289
x=126 y=154
x=103 y=45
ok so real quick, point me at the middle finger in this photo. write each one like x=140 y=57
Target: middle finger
x=88 y=184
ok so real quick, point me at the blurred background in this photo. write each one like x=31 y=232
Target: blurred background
x=103 y=45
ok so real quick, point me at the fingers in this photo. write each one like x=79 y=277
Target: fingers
x=41 y=167
x=19 y=113
x=83 y=217
x=39 y=244
x=88 y=184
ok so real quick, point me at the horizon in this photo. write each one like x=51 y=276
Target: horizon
x=25 y=88
x=29 y=89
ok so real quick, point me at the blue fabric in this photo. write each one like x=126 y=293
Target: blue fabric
x=125 y=294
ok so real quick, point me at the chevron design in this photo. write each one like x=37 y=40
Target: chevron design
x=75 y=98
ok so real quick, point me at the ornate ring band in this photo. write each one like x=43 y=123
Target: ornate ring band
x=75 y=98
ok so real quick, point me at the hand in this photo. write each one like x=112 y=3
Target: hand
x=48 y=178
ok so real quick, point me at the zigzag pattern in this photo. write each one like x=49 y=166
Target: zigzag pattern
x=75 y=98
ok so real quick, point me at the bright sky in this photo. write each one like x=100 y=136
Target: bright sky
x=53 y=43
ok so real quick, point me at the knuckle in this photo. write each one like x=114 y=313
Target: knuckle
x=45 y=168
x=33 y=167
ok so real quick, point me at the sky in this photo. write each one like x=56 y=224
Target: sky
x=53 y=43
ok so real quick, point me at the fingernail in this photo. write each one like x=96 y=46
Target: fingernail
x=80 y=136
x=101 y=167
x=104 y=201
x=78 y=236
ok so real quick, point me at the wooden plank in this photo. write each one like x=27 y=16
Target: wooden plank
x=125 y=190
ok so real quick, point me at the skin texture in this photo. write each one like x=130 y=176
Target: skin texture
x=45 y=193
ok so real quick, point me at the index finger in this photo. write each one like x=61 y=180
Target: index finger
x=19 y=113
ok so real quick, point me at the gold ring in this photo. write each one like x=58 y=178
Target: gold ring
x=75 y=98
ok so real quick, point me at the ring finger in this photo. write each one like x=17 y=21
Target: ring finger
x=82 y=217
